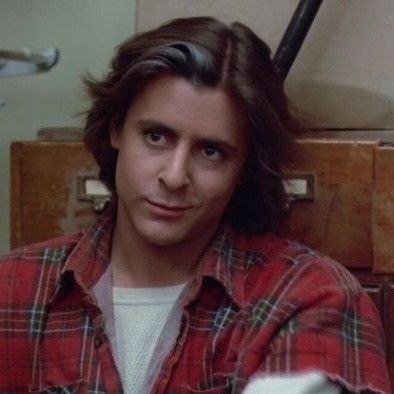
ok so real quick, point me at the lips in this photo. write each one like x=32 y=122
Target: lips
x=168 y=211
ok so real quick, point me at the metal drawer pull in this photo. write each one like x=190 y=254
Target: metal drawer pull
x=91 y=189
x=299 y=187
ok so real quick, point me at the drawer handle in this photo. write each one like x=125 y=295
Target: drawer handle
x=299 y=187
x=89 y=188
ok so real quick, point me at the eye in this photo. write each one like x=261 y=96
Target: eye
x=211 y=152
x=155 y=137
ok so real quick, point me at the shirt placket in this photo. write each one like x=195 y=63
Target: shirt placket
x=107 y=374
x=163 y=379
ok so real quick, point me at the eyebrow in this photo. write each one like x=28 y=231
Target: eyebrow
x=152 y=124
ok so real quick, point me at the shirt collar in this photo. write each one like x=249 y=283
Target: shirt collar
x=91 y=255
x=223 y=260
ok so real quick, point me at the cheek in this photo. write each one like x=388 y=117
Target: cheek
x=135 y=172
x=126 y=174
x=218 y=189
x=128 y=160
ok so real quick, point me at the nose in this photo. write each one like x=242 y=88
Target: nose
x=174 y=174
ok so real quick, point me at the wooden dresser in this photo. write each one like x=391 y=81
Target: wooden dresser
x=343 y=204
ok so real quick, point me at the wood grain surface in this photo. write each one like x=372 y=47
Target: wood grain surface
x=44 y=200
x=383 y=210
x=338 y=221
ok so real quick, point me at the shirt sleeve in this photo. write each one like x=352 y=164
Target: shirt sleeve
x=302 y=383
x=319 y=319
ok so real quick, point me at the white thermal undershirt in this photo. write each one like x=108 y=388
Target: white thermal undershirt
x=139 y=314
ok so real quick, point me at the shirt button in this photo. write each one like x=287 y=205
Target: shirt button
x=97 y=342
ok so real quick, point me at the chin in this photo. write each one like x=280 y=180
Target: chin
x=169 y=235
x=163 y=241
x=161 y=236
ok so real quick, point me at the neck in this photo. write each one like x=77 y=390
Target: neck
x=138 y=263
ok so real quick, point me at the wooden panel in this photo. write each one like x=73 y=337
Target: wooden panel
x=376 y=295
x=338 y=221
x=389 y=331
x=383 y=211
x=16 y=193
x=44 y=200
x=376 y=287
x=381 y=289
x=60 y=134
x=390 y=317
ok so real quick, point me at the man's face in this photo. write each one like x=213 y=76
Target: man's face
x=181 y=155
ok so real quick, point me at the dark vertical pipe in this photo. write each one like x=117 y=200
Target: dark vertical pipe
x=295 y=34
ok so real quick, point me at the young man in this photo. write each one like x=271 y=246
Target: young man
x=180 y=287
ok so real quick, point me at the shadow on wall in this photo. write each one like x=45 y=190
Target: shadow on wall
x=326 y=105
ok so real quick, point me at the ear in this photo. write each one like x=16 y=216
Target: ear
x=114 y=137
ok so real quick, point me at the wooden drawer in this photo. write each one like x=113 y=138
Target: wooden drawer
x=338 y=220
x=44 y=180
x=381 y=290
x=351 y=214
x=383 y=210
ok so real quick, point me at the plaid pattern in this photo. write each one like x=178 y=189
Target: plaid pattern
x=257 y=306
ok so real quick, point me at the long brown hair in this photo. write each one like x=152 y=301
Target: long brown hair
x=207 y=53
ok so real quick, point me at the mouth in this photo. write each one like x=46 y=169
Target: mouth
x=168 y=211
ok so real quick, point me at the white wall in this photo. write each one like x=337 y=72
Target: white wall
x=86 y=32
x=344 y=74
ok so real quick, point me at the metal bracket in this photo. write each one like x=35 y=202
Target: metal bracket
x=27 y=62
x=299 y=187
x=89 y=188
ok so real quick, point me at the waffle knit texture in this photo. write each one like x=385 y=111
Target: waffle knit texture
x=140 y=314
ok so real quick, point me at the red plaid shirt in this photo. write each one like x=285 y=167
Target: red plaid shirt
x=257 y=306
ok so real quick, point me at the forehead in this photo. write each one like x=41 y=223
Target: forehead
x=201 y=112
